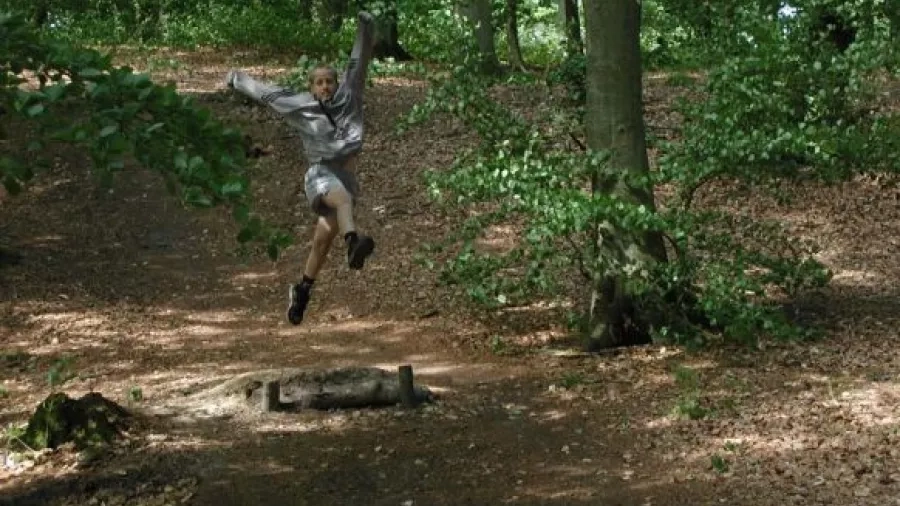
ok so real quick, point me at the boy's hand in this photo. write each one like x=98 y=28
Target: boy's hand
x=365 y=17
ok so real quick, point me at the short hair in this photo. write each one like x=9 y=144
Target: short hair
x=331 y=70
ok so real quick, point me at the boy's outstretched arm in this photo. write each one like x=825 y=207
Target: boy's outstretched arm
x=283 y=100
x=361 y=54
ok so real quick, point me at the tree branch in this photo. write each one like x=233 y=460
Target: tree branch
x=578 y=141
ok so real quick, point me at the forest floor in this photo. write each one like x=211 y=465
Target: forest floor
x=148 y=297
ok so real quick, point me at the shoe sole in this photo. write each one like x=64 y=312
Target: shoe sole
x=365 y=248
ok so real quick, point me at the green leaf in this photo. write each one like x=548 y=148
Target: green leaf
x=116 y=163
x=195 y=162
x=196 y=197
x=234 y=188
x=90 y=72
x=35 y=110
x=181 y=160
x=55 y=92
x=108 y=130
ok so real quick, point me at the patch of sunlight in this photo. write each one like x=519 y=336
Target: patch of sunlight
x=202 y=316
x=188 y=89
x=45 y=239
x=392 y=339
x=238 y=366
x=570 y=469
x=254 y=276
x=195 y=443
x=402 y=82
x=288 y=426
x=176 y=382
x=419 y=370
x=331 y=348
x=346 y=326
x=178 y=337
x=95 y=334
x=871 y=407
x=203 y=330
x=537 y=306
x=663 y=422
x=856 y=277
x=494 y=245
x=553 y=415
x=54 y=317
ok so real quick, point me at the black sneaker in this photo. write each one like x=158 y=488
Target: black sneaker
x=299 y=297
x=359 y=248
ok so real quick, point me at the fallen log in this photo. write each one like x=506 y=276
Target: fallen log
x=322 y=389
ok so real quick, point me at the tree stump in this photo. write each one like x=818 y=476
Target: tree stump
x=91 y=420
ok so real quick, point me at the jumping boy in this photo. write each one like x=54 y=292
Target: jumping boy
x=329 y=119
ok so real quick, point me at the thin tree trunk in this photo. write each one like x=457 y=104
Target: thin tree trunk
x=387 y=37
x=615 y=122
x=479 y=13
x=41 y=13
x=572 y=24
x=305 y=9
x=892 y=12
x=334 y=12
x=512 y=35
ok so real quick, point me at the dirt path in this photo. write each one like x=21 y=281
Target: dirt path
x=149 y=297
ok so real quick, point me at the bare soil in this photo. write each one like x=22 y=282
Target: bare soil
x=153 y=302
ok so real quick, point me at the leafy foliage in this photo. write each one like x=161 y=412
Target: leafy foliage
x=787 y=106
x=120 y=116
x=725 y=270
x=274 y=24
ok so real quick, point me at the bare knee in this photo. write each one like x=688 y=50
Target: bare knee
x=337 y=197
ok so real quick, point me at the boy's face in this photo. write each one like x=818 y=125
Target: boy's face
x=323 y=84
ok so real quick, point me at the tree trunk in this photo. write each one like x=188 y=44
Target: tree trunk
x=479 y=14
x=568 y=10
x=333 y=13
x=892 y=12
x=512 y=35
x=41 y=13
x=387 y=37
x=615 y=122
x=305 y=9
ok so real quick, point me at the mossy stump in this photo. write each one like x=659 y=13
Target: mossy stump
x=91 y=420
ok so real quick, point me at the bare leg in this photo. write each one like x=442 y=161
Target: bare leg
x=325 y=231
x=342 y=203
x=323 y=235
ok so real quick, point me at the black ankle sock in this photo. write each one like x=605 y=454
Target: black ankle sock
x=349 y=237
x=307 y=282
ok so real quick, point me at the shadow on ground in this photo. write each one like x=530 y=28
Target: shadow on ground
x=517 y=446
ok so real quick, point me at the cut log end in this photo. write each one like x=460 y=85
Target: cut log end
x=271 y=398
x=407 y=390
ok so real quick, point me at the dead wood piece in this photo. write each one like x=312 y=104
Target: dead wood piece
x=271 y=398
x=407 y=389
x=321 y=389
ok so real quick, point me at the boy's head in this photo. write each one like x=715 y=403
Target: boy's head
x=323 y=82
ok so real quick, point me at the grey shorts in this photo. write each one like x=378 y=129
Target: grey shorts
x=321 y=178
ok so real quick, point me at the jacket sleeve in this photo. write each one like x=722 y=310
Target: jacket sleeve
x=361 y=54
